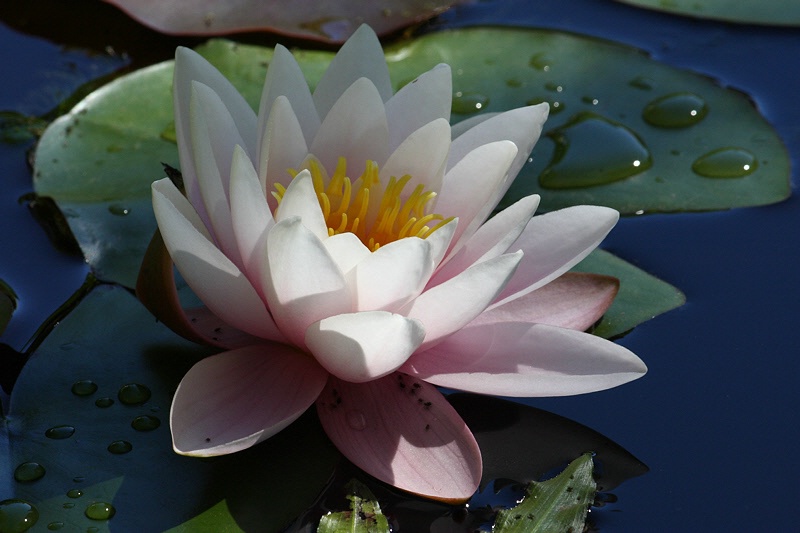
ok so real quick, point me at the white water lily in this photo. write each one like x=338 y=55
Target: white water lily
x=370 y=272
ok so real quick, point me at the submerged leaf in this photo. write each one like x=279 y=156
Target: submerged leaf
x=558 y=504
x=364 y=516
x=773 y=12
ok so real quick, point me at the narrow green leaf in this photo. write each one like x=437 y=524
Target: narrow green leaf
x=364 y=516
x=558 y=504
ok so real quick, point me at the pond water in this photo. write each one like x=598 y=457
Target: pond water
x=714 y=419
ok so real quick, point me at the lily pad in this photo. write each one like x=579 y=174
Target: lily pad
x=331 y=21
x=772 y=12
x=88 y=424
x=364 y=515
x=8 y=303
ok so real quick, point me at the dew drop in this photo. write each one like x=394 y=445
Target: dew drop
x=74 y=493
x=100 y=511
x=145 y=423
x=513 y=83
x=676 y=110
x=554 y=87
x=119 y=447
x=84 y=388
x=55 y=526
x=642 y=82
x=92 y=529
x=118 y=210
x=725 y=163
x=579 y=160
x=555 y=105
x=356 y=420
x=60 y=432
x=104 y=402
x=466 y=103
x=30 y=471
x=68 y=505
x=541 y=62
x=17 y=516
x=78 y=479
x=133 y=394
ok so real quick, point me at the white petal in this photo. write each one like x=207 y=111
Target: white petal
x=284 y=78
x=347 y=251
x=422 y=155
x=360 y=57
x=453 y=304
x=393 y=275
x=303 y=282
x=440 y=241
x=555 y=242
x=300 y=200
x=363 y=346
x=355 y=128
x=283 y=147
x=212 y=276
x=419 y=102
x=518 y=359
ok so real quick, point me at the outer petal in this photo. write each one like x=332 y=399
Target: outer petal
x=212 y=276
x=360 y=57
x=402 y=431
x=455 y=303
x=360 y=347
x=282 y=147
x=419 y=102
x=555 y=242
x=575 y=300
x=392 y=275
x=231 y=401
x=518 y=359
x=300 y=200
x=422 y=155
x=302 y=281
x=355 y=128
x=347 y=250
x=491 y=239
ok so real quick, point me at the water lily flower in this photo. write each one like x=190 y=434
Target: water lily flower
x=341 y=243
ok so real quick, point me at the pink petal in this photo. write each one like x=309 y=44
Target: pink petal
x=440 y=241
x=214 y=278
x=303 y=282
x=360 y=57
x=519 y=359
x=346 y=250
x=468 y=187
x=283 y=147
x=355 y=128
x=231 y=401
x=456 y=302
x=403 y=432
x=419 y=102
x=490 y=240
x=362 y=346
x=555 y=242
x=422 y=155
x=300 y=200
x=392 y=275
x=284 y=78
x=573 y=300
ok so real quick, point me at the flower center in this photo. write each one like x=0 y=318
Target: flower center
x=377 y=215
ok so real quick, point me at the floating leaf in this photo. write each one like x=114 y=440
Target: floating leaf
x=91 y=407
x=364 y=516
x=558 y=504
x=331 y=21
x=773 y=12
x=8 y=303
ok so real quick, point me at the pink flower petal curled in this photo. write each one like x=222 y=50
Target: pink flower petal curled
x=427 y=98
x=362 y=346
x=231 y=401
x=403 y=432
x=519 y=359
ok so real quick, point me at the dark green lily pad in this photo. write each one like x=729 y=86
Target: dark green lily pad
x=558 y=504
x=91 y=407
x=364 y=515
x=772 y=12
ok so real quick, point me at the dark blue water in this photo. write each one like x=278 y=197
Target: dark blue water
x=714 y=418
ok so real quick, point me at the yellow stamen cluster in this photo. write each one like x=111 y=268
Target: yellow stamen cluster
x=377 y=215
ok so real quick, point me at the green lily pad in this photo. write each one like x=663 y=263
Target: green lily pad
x=772 y=12
x=8 y=303
x=558 y=504
x=364 y=515
x=88 y=425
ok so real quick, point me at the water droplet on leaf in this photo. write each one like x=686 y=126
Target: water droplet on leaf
x=75 y=493
x=118 y=210
x=17 y=516
x=356 y=420
x=726 y=163
x=119 y=447
x=133 y=394
x=84 y=388
x=100 y=511
x=55 y=526
x=104 y=402
x=145 y=423
x=677 y=110
x=60 y=432
x=466 y=103
x=30 y=471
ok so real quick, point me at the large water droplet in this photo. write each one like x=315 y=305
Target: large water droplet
x=84 y=388
x=466 y=103
x=676 y=110
x=593 y=150
x=17 y=516
x=74 y=493
x=27 y=472
x=119 y=447
x=356 y=420
x=133 y=394
x=145 y=423
x=118 y=210
x=60 y=432
x=104 y=402
x=100 y=511
x=726 y=163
